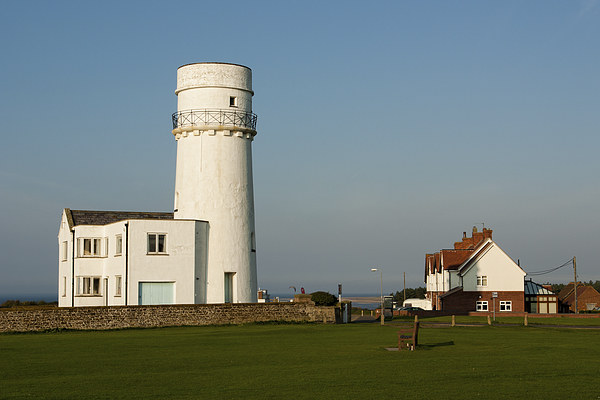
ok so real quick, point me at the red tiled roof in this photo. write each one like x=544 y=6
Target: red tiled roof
x=452 y=259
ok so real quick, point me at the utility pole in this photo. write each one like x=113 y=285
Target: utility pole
x=575 y=282
x=404 y=299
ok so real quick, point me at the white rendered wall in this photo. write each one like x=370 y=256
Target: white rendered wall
x=214 y=175
x=503 y=274
x=177 y=265
x=65 y=266
x=184 y=262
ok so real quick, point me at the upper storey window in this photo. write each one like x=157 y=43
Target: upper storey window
x=233 y=102
x=92 y=247
x=482 y=281
x=157 y=243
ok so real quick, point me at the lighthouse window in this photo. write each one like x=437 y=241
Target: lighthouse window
x=233 y=101
x=157 y=243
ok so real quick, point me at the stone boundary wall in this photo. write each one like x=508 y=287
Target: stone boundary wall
x=120 y=317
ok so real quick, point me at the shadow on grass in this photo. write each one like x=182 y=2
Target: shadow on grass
x=433 y=345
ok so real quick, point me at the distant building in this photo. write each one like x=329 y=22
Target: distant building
x=263 y=296
x=205 y=250
x=476 y=275
x=588 y=298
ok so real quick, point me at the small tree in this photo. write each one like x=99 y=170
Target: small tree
x=323 y=298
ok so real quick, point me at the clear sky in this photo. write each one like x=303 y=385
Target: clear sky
x=385 y=129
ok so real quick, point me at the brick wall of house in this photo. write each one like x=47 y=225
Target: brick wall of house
x=462 y=301
x=119 y=317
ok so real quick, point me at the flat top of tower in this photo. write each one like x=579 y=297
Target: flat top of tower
x=222 y=63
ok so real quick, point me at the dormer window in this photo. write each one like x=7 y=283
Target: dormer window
x=233 y=101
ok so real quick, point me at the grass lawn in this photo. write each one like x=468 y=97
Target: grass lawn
x=302 y=361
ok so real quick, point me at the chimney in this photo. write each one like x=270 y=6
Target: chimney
x=487 y=233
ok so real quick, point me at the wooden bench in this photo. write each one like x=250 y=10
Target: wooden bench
x=408 y=338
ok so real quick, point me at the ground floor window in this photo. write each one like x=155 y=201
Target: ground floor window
x=118 y=283
x=88 y=286
x=482 y=306
x=505 y=305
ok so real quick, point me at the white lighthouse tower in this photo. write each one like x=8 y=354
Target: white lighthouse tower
x=214 y=127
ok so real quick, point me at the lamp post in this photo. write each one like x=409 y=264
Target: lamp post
x=381 y=277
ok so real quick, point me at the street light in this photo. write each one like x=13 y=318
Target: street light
x=381 y=277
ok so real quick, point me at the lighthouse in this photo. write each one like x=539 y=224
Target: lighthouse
x=214 y=127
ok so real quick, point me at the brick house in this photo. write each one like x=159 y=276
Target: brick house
x=588 y=298
x=476 y=275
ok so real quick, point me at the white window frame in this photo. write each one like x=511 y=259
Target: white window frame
x=85 y=286
x=118 y=285
x=506 y=305
x=482 y=280
x=118 y=245
x=98 y=246
x=156 y=249
x=481 y=305
x=64 y=251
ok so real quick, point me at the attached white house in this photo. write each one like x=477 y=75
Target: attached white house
x=477 y=275
x=132 y=258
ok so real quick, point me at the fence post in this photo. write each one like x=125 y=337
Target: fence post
x=453 y=320
x=489 y=320
x=525 y=322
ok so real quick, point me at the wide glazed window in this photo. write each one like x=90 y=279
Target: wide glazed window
x=92 y=247
x=88 y=286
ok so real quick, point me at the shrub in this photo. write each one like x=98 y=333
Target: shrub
x=323 y=298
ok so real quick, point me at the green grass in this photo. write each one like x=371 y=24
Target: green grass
x=302 y=361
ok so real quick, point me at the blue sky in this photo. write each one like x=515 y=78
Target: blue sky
x=385 y=130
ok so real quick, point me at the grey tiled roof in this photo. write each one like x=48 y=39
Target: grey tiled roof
x=86 y=217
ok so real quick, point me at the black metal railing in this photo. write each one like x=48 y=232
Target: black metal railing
x=214 y=117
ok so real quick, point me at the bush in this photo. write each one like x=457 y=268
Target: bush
x=323 y=299
x=19 y=303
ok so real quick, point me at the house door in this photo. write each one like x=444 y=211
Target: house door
x=105 y=291
x=228 y=286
